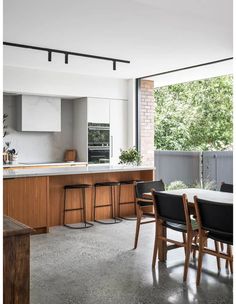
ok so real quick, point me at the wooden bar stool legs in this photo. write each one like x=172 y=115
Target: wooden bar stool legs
x=121 y=187
x=81 y=188
x=111 y=185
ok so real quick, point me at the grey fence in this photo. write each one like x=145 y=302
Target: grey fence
x=194 y=167
x=218 y=167
x=175 y=165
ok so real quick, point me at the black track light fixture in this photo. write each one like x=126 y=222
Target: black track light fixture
x=66 y=58
x=49 y=56
x=66 y=53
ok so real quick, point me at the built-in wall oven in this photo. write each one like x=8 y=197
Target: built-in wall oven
x=98 y=143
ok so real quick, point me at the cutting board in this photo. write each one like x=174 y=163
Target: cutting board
x=70 y=155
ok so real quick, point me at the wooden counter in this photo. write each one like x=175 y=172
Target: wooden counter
x=37 y=201
x=16 y=262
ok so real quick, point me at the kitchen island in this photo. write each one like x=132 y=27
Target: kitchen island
x=35 y=196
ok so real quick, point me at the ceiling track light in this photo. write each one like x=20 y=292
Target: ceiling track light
x=49 y=56
x=66 y=53
x=66 y=58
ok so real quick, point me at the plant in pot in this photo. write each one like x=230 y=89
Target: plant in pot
x=130 y=156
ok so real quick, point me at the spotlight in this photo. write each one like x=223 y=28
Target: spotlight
x=66 y=58
x=49 y=56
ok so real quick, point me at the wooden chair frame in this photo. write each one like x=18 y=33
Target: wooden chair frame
x=187 y=237
x=203 y=236
x=140 y=212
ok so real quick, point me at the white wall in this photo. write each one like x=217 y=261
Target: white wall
x=131 y=113
x=68 y=85
x=39 y=146
x=41 y=82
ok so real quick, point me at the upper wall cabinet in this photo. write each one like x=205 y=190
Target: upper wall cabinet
x=38 y=113
x=98 y=110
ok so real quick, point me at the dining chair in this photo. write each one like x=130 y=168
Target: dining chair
x=143 y=204
x=226 y=188
x=172 y=211
x=215 y=221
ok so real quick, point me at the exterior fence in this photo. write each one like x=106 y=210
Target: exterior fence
x=218 y=167
x=194 y=167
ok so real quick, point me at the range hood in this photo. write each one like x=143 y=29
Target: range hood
x=38 y=113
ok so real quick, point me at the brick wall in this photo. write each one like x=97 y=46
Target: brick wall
x=147 y=122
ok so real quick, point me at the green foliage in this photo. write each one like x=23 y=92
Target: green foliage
x=130 y=156
x=195 y=115
x=207 y=184
x=176 y=185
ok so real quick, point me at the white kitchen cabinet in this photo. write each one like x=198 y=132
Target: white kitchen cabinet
x=98 y=110
x=38 y=113
x=118 y=128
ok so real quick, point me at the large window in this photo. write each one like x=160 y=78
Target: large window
x=196 y=115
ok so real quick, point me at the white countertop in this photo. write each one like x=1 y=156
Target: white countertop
x=14 y=173
x=45 y=164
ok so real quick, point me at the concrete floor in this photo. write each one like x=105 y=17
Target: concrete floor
x=98 y=265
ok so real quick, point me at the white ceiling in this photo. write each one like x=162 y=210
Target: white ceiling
x=155 y=35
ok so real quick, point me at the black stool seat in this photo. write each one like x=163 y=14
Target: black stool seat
x=106 y=184
x=130 y=182
x=77 y=186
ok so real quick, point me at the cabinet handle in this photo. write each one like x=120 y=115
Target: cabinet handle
x=111 y=146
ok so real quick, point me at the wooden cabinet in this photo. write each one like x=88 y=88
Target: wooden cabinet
x=26 y=200
x=16 y=262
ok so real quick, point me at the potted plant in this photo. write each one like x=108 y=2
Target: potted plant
x=130 y=156
x=13 y=156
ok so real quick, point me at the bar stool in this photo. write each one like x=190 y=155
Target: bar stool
x=125 y=183
x=82 y=188
x=111 y=186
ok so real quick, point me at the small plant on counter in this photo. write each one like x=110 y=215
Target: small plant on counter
x=130 y=157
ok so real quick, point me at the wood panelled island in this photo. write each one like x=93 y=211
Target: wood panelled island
x=35 y=196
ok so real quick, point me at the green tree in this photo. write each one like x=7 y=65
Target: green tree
x=196 y=115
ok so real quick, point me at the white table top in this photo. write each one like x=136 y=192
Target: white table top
x=209 y=195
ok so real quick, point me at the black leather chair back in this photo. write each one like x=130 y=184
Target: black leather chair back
x=216 y=217
x=227 y=188
x=145 y=187
x=169 y=207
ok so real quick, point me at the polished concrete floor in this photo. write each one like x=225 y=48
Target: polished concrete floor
x=98 y=265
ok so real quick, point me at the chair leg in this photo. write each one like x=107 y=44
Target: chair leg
x=200 y=256
x=154 y=258
x=217 y=251
x=229 y=251
x=221 y=246
x=184 y=241
x=139 y=217
x=188 y=246
x=94 y=204
x=195 y=243
x=64 y=212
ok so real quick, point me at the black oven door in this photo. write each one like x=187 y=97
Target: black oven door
x=98 y=135
x=98 y=155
